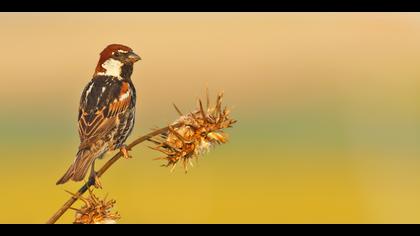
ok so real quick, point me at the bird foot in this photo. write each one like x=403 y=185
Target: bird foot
x=96 y=182
x=124 y=149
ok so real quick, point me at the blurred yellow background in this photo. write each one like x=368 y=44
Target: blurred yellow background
x=327 y=103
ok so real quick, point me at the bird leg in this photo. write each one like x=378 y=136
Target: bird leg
x=94 y=177
x=124 y=149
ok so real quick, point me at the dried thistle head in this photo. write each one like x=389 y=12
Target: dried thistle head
x=96 y=211
x=194 y=134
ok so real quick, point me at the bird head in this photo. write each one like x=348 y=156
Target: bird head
x=113 y=58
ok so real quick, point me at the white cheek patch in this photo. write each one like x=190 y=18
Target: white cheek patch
x=112 y=67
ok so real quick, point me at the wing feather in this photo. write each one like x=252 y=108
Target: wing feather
x=94 y=125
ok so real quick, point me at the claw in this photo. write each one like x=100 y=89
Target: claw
x=124 y=149
x=97 y=183
x=94 y=177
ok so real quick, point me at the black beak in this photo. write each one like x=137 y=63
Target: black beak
x=132 y=57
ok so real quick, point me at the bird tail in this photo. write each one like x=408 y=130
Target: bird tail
x=77 y=171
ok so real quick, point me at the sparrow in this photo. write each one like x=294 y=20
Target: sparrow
x=106 y=111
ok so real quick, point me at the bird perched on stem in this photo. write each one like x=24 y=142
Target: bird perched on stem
x=106 y=111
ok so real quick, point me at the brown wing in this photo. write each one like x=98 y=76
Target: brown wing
x=95 y=125
x=103 y=102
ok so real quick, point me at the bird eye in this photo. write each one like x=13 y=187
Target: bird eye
x=117 y=54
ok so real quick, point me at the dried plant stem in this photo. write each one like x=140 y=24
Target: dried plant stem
x=104 y=168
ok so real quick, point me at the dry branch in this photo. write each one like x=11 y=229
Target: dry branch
x=191 y=135
x=104 y=168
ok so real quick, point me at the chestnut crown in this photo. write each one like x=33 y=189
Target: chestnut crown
x=115 y=55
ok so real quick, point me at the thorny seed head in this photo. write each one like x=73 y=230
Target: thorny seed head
x=199 y=131
x=96 y=211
